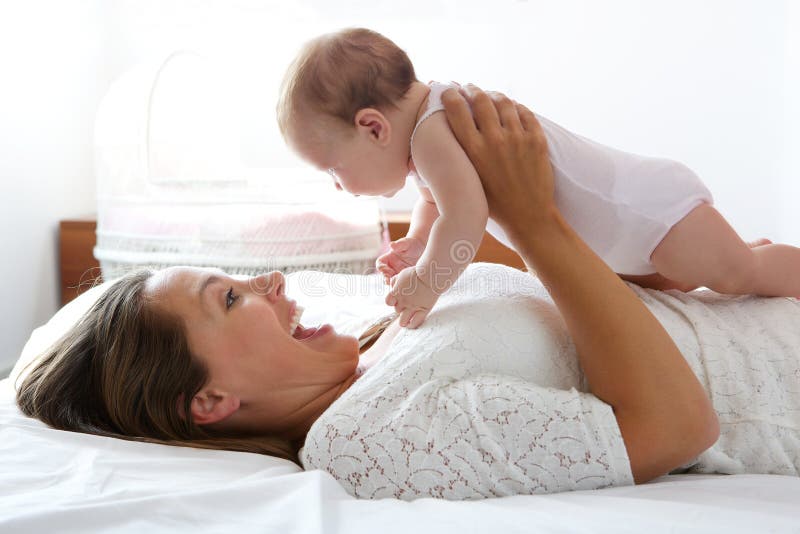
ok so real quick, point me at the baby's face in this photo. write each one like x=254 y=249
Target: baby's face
x=358 y=165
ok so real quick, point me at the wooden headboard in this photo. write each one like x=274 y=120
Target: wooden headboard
x=79 y=269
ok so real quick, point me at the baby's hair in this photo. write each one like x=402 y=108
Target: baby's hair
x=337 y=74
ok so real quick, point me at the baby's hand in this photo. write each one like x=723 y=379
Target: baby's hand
x=404 y=253
x=411 y=298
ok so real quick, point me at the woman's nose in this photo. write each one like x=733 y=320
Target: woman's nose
x=270 y=284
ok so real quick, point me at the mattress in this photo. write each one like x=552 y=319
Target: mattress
x=71 y=482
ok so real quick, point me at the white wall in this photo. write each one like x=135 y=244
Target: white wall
x=790 y=162
x=711 y=83
x=702 y=82
x=51 y=60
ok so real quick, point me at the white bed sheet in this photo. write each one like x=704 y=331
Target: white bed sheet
x=52 y=480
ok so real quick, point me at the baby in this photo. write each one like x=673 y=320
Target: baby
x=352 y=106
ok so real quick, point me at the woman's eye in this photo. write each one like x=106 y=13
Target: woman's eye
x=230 y=298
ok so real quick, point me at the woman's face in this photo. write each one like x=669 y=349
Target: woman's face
x=261 y=377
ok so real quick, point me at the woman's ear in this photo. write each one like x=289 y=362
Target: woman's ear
x=211 y=406
x=374 y=125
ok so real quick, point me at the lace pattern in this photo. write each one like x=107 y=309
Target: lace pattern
x=487 y=398
x=746 y=352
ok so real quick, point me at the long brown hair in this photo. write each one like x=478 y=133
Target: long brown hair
x=122 y=371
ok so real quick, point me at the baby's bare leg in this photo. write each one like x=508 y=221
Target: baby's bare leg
x=703 y=250
x=660 y=282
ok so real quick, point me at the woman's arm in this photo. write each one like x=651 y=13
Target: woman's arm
x=631 y=363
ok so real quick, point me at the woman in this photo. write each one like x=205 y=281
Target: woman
x=510 y=388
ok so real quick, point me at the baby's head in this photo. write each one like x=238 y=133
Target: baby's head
x=339 y=106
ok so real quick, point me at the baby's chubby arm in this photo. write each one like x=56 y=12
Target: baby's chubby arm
x=423 y=216
x=456 y=188
x=454 y=235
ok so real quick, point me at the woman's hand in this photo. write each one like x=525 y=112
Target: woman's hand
x=508 y=148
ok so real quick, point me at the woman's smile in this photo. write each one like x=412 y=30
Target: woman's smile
x=305 y=334
x=300 y=332
x=295 y=313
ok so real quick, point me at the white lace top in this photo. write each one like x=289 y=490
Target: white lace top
x=487 y=399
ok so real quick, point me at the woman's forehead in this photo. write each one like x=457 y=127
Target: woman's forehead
x=180 y=281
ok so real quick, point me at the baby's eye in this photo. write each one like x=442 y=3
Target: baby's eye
x=230 y=298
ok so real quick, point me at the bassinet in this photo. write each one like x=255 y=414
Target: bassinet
x=172 y=190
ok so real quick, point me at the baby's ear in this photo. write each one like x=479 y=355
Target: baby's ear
x=374 y=124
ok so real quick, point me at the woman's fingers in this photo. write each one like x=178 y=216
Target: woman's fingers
x=507 y=110
x=485 y=114
x=534 y=134
x=459 y=116
x=527 y=118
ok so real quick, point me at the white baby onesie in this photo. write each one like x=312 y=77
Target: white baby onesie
x=621 y=204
